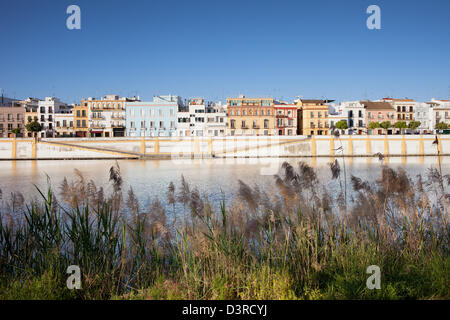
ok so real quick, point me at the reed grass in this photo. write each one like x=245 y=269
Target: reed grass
x=301 y=242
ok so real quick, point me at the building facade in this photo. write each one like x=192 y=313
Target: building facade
x=423 y=113
x=46 y=113
x=10 y=119
x=157 y=118
x=81 y=119
x=440 y=112
x=216 y=120
x=404 y=110
x=31 y=112
x=378 y=112
x=313 y=117
x=106 y=116
x=64 y=124
x=285 y=119
x=355 y=114
x=251 y=116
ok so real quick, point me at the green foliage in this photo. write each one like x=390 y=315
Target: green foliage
x=16 y=130
x=374 y=125
x=400 y=125
x=441 y=126
x=385 y=125
x=414 y=125
x=33 y=126
x=342 y=125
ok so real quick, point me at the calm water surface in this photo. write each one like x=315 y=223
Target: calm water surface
x=213 y=177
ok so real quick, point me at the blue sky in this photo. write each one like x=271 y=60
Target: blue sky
x=215 y=49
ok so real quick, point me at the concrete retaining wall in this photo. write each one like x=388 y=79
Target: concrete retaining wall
x=276 y=146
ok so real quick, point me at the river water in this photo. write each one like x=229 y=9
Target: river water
x=213 y=177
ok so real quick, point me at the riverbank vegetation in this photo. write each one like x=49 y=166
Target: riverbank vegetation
x=301 y=242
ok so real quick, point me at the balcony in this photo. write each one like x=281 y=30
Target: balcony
x=98 y=126
x=97 y=117
x=118 y=117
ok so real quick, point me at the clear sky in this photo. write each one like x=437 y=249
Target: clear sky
x=216 y=49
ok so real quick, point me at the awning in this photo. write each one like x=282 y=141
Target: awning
x=96 y=131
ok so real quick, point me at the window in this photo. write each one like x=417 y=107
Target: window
x=243 y=124
x=78 y=123
x=172 y=113
x=143 y=124
x=232 y=124
x=312 y=114
x=131 y=124
x=151 y=124
x=262 y=112
x=266 y=123
x=172 y=124
x=78 y=113
x=42 y=109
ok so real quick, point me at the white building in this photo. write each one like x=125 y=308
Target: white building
x=423 y=112
x=64 y=124
x=355 y=114
x=216 y=120
x=46 y=113
x=440 y=112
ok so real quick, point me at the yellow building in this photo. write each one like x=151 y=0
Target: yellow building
x=313 y=117
x=81 y=119
x=251 y=116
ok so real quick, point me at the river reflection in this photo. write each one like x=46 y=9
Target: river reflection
x=213 y=177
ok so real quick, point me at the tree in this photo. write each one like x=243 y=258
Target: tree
x=441 y=126
x=33 y=127
x=414 y=125
x=401 y=125
x=386 y=125
x=342 y=125
x=16 y=131
x=374 y=125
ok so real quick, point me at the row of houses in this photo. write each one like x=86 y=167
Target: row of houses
x=170 y=115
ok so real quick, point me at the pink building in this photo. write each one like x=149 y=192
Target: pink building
x=379 y=112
